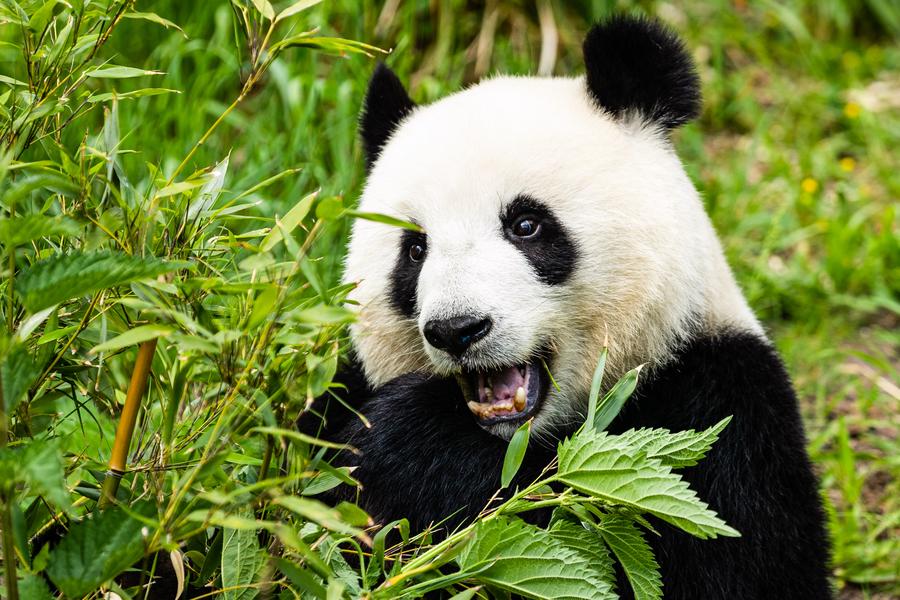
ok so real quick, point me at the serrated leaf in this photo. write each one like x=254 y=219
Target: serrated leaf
x=133 y=337
x=584 y=542
x=40 y=466
x=17 y=372
x=242 y=560
x=607 y=467
x=515 y=453
x=33 y=587
x=526 y=560
x=96 y=550
x=682 y=449
x=21 y=230
x=65 y=276
x=634 y=554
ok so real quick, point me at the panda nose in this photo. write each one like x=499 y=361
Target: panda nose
x=456 y=334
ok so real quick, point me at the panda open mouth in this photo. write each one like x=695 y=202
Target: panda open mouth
x=508 y=394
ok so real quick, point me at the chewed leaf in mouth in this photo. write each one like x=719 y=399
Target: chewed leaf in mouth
x=508 y=394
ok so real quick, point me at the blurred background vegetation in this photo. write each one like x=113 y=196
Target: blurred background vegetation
x=795 y=155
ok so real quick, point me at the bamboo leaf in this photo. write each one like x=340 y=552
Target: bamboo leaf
x=295 y=8
x=515 y=453
x=65 y=276
x=615 y=399
x=119 y=73
x=133 y=337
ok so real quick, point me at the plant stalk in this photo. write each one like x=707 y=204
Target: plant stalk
x=9 y=544
x=118 y=461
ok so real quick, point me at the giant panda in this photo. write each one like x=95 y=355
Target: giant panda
x=555 y=219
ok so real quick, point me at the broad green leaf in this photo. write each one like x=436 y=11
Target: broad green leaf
x=21 y=230
x=40 y=466
x=34 y=587
x=682 y=449
x=573 y=535
x=515 y=453
x=119 y=73
x=289 y=221
x=301 y=578
x=609 y=468
x=634 y=554
x=96 y=550
x=526 y=560
x=242 y=559
x=133 y=337
x=615 y=399
x=65 y=276
x=18 y=372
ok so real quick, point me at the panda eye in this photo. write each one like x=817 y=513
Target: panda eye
x=526 y=227
x=416 y=252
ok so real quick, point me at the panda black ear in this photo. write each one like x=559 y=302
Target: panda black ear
x=637 y=65
x=386 y=104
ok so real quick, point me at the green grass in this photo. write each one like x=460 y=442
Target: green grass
x=795 y=155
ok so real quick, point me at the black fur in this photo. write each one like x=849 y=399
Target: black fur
x=552 y=253
x=425 y=457
x=386 y=104
x=635 y=64
x=405 y=276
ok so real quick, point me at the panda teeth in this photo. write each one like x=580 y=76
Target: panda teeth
x=519 y=400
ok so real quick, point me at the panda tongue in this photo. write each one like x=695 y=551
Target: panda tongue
x=504 y=384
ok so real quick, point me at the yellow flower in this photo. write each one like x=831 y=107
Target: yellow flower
x=847 y=164
x=852 y=110
x=809 y=185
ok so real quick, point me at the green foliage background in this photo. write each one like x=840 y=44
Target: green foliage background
x=795 y=155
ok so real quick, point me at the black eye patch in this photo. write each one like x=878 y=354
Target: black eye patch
x=405 y=276
x=549 y=249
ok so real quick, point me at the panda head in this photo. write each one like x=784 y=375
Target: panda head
x=555 y=218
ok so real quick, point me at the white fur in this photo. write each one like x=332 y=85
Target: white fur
x=650 y=273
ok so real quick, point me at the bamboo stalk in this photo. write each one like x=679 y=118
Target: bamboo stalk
x=118 y=461
x=6 y=500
